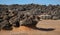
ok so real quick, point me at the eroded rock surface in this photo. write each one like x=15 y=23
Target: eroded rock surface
x=26 y=15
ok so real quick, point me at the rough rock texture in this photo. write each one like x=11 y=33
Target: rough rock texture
x=16 y=15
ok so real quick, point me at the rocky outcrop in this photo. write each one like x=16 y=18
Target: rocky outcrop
x=19 y=15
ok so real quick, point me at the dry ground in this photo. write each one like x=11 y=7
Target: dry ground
x=46 y=27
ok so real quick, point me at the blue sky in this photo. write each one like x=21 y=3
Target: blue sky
x=8 y=2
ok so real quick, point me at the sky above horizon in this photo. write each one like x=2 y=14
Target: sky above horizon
x=43 y=2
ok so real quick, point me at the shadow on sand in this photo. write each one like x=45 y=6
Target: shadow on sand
x=43 y=29
x=36 y=28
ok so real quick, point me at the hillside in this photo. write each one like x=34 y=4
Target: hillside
x=12 y=15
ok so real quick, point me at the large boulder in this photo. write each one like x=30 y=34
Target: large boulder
x=8 y=27
x=14 y=21
x=30 y=21
x=3 y=24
